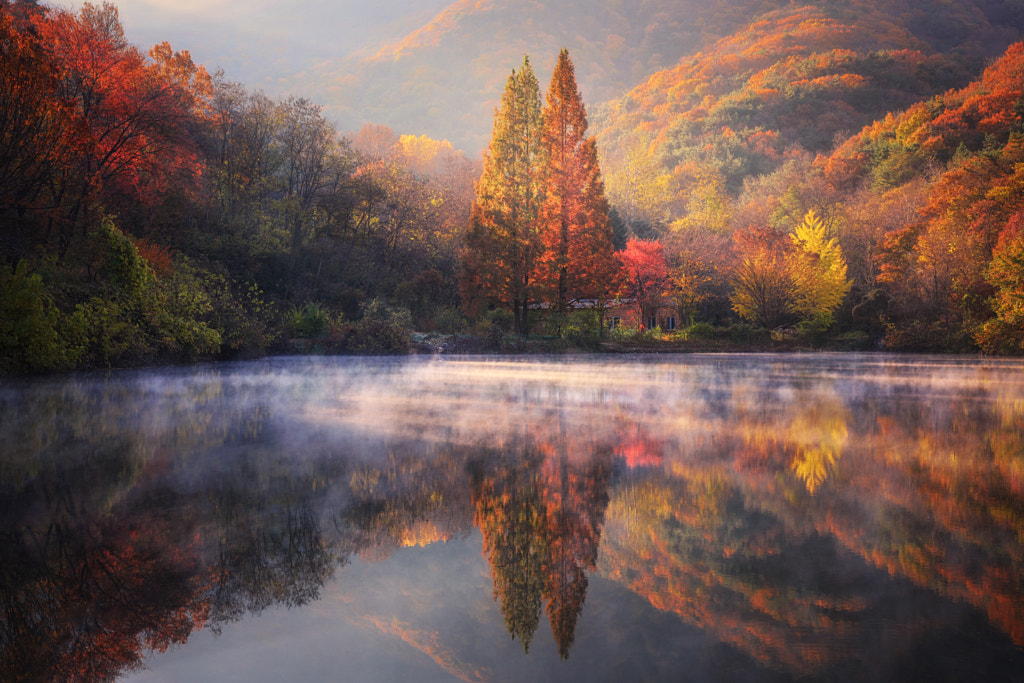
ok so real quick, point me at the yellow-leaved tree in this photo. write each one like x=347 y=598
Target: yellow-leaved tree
x=802 y=281
x=818 y=272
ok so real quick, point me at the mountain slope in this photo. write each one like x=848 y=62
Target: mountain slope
x=444 y=79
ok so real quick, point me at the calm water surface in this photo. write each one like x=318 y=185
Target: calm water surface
x=699 y=518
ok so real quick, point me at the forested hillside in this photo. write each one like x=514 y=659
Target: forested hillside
x=837 y=172
x=447 y=76
x=723 y=157
x=150 y=212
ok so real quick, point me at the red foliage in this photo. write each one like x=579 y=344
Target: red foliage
x=159 y=258
x=128 y=122
x=644 y=273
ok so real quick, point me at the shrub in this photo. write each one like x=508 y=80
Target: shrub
x=449 y=320
x=814 y=330
x=858 y=340
x=700 y=330
x=33 y=335
x=748 y=334
x=246 y=323
x=310 y=321
x=376 y=337
x=378 y=310
x=583 y=326
x=500 y=317
x=110 y=336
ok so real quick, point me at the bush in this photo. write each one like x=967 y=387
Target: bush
x=583 y=326
x=500 y=317
x=376 y=337
x=310 y=321
x=449 y=320
x=33 y=335
x=743 y=333
x=858 y=340
x=377 y=310
x=814 y=331
x=109 y=335
x=133 y=316
x=246 y=322
x=699 y=331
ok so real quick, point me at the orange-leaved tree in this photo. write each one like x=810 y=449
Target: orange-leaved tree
x=1004 y=333
x=578 y=260
x=779 y=281
x=134 y=118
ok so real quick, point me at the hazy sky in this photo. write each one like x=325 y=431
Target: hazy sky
x=262 y=42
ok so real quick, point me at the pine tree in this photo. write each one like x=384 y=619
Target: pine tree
x=502 y=242
x=578 y=260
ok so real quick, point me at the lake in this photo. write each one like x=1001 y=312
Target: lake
x=699 y=517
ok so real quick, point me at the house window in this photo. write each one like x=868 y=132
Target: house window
x=614 y=322
x=652 y=322
x=670 y=323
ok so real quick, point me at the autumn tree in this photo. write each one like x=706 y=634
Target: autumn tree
x=376 y=141
x=692 y=284
x=818 y=271
x=133 y=116
x=578 y=260
x=502 y=244
x=644 y=274
x=762 y=287
x=1004 y=333
x=637 y=186
x=802 y=278
x=34 y=128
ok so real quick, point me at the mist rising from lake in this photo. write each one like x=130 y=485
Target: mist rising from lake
x=727 y=516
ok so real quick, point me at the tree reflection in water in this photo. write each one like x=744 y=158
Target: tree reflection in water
x=540 y=512
x=822 y=525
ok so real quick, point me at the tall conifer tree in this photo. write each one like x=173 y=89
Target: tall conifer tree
x=578 y=260
x=502 y=243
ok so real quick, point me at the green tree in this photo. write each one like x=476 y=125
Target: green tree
x=501 y=244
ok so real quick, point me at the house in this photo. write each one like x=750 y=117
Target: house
x=661 y=313
x=623 y=313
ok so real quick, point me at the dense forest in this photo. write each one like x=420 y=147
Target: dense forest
x=909 y=160
x=153 y=212
x=831 y=173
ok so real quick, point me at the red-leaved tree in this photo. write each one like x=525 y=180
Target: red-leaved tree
x=644 y=274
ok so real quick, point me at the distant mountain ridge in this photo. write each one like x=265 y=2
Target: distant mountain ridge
x=444 y=78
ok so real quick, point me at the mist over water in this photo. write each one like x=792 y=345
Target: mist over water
x=726 y=517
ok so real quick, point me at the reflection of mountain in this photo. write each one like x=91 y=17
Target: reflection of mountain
x=797 y=601
x=815 y=523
